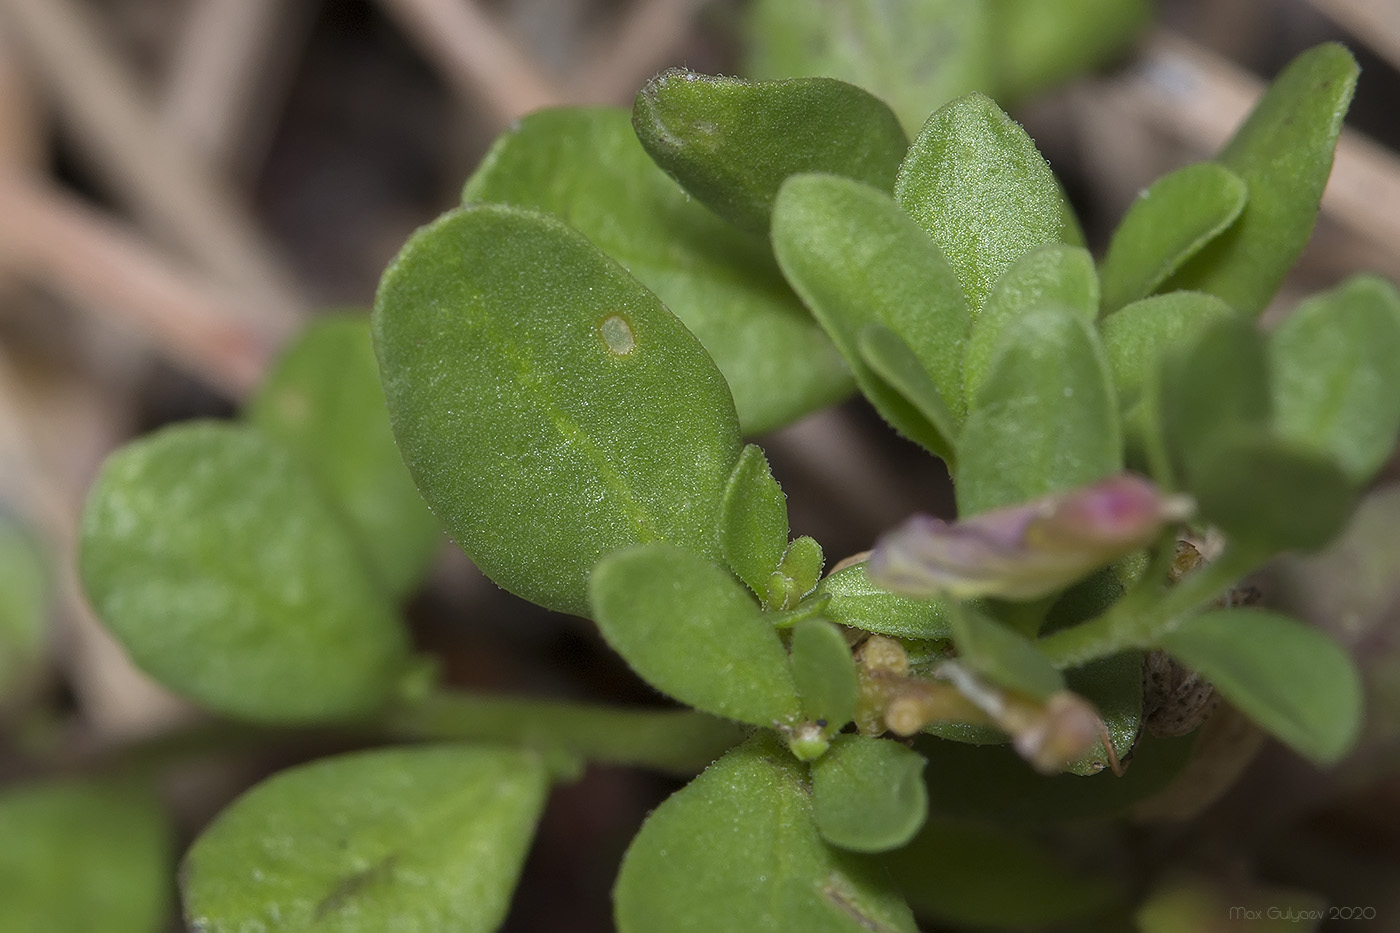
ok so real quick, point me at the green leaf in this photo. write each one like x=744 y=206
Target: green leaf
x=1044 y=420
x=1168 y=224
x=868 y=795
x=737 y=850
x=975 y=181
x=1088 y=598
x=585 y=166
x=423 y=838
x=1062 y=276
x=976 y=874
x=214 y=559
x=693 y=632
x=858 y=603
x=856 y=259
x=1114 y=686
x=1002 y=655
x=81 y=856
x=1283 y=151
x=915 y=54
x=1292 y=680
x=324 y=403
x=732 y=143
x=892 y=360
x=991 y=782
x=824 y=672
x=1210 y=387
x=25 y=584
x=1349 y=591
x=798 y=574
x=1138 y=337
x=1043 y=42
x=1335 y=364
x=1271 y=495
x=783 y=619
x=549 y=407
x=753 y=531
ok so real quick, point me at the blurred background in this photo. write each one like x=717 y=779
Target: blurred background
x=183 y=183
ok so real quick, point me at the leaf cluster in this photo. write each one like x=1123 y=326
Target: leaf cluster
x=570 y=364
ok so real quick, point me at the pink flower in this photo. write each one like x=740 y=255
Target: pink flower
x=1025 y=551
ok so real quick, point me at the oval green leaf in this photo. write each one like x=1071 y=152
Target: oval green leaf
x=868 y=795
x=1335 y=364
x=992 y=782
x=426 y=838
x=982 y=875
x=692 y=631
x=1054 y=275
x=891 y=359
x=323 y=402
x=1042 y=42
x=215 y=560
x=1045 y=419
x=824 y=673
x=585 y=166
x=1003 y=655
x=1291 y=679
x=917 y=56
x=1114 y=686
x=975 y=181
x=1271 y=495
x=1168 y=224
x=737 y=850
x=549 y=407
x=82 y=856
x=1137 y=337
x=800 y=570
x=1211 y=386
x=856 y=259
x=732 y=143
x=859 y=603
x=753 y=530
x=1283 y=151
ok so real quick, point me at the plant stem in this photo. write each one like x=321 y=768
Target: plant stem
x=674 y=741
x=678 y=742
x=1138 y=623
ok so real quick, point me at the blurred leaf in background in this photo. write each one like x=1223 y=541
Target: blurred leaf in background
x=24 y=603
x=79 y=856
x=919 y=54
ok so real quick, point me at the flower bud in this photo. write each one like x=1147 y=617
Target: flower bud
x=1025 y=551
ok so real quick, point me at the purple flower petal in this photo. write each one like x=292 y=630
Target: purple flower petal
x=1025 y=551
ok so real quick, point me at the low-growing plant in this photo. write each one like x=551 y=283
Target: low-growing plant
x=571 y=362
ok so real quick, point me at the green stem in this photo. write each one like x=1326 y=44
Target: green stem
x=679 y=742
x=674 y=741
x=1138 y=623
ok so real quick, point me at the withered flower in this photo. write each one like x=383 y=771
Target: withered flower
x=1029 y=550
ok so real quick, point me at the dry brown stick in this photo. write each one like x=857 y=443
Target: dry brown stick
x=91 y=259
x=645 y=43
x=227 y=60
x=1191 y=94
x=23 y=141
x=149 y=168
x=476 y=58
x=1374 y=22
